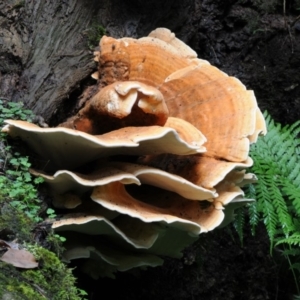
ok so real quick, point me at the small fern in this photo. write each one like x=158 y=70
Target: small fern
x=277 y=192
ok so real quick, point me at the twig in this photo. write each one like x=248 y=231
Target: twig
x=295 y=21
x=288 y=26
x=291 y=38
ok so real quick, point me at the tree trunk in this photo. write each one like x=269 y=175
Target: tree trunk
x=44 y=44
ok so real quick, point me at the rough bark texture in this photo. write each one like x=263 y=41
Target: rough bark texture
x=44 y=44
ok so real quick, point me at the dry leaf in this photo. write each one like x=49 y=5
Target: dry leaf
x=19 y=258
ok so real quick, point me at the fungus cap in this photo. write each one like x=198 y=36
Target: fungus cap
x=189 y=172
x=61 y=147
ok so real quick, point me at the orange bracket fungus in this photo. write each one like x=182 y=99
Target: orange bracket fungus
x=157 y=155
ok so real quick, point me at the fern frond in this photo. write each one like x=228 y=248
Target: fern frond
x=294 y=175
x=293 y=240
x=295 y=266
x=291 y=252
x=239 y=222
x=265 y=204
x=293 y=195
x=294 y=128
x=270 y=220
x=253 y=216
x=296 y=222
x=277 y=192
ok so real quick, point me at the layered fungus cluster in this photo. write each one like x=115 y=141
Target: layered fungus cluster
x=156 y=156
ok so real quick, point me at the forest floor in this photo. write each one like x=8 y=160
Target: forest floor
x=216 y=267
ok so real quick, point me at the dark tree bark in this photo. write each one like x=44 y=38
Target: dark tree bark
x=44 y=53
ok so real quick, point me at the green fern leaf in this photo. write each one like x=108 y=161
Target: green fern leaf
x=277 y=166
x=239 y=222
x=293 y=240
x=291 y=252
x=253 y=213
x=295 y=266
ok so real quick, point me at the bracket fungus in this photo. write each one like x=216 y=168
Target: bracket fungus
x=155 y=157
x=121 y=104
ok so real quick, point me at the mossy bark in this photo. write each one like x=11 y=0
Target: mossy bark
x=44 y=44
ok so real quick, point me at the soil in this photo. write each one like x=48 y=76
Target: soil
x=260 y=45
x=257 y=41
x=216 y=267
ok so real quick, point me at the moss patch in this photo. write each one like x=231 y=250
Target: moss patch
x=22 y=215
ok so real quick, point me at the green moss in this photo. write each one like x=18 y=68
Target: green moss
x=25 y=290
x=19 y=4
x=94 y=34
x=18 y=222
x=51 y=280
x=21 y=212
x=13 y=287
